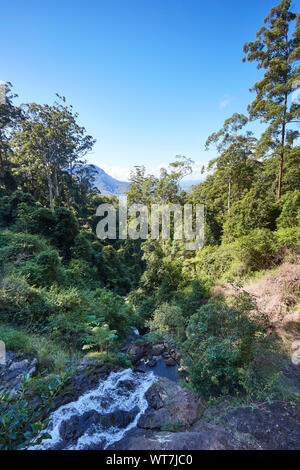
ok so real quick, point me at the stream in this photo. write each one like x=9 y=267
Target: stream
x=102 y=416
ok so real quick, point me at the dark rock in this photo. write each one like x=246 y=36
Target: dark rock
x=170 y=404
x=170 y=361
x=157 y=349
x=128 y=384
x=77 y=425
x=274 y=426
x=210 y=438
x=141 y=368
x=152 y=363
x=119 y=418
x=137 y=357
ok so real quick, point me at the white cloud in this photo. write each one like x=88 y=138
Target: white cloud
x=123 y=173
x=226 y=101
x=118 y=172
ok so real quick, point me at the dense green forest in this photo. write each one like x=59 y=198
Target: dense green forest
x=64 y=293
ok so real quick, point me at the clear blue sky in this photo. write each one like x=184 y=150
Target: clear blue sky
x=149 y=78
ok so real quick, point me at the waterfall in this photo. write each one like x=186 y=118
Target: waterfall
x=104 y=414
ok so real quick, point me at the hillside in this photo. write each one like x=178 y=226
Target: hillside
x=108 y=185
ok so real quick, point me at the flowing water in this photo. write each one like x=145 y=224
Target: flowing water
x=122 y=392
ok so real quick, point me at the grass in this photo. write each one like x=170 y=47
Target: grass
x=51 y=356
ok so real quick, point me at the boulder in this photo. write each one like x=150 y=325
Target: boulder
x=170 y=361
x=119 y=419
x=210 y=437
x=157 y=349
x=77 y=425
x=170 y=404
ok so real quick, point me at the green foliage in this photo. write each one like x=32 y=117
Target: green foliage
x=168 y=320
x=82 y=248
x=101 y=338
x=20 y=421
x=65 y=231
x=221 y=341
x=44 y=270
x=113 y=311
x=290 y=213
x=22 y=304
x=250 y=213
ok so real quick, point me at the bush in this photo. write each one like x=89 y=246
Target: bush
x=22 y=304
x=39 y=220
x=17 y=247
x=250 y=213
x=44 y=270
x=82 y=248
x=9 y=206
x=257 y=250
x=288 y=239
x=65 y=231
x=168 y=320
x=20 y=424
x=114 y=312
x=221 y=341
x=290 y=212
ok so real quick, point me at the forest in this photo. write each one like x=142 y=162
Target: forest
x=65 y=294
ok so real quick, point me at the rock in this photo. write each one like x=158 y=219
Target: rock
x=119 y=419
x=15 y=369
x=19 y=365
x=77 y=425
x=33 y=367
x=170 y=404
x=209 y=438
x=128 y=384
x=141 y=368
x=274 y=426
x=157 y=349
x=170 y=361
x=137 y=357
x=152 y=362
x=154 y=419
x=89 y=379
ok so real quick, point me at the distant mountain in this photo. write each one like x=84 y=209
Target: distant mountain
x=187 y=185
x=108 y=185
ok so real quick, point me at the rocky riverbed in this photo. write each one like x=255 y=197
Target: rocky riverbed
x=125 y=409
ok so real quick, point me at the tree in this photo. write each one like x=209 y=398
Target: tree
x=276 y=51
x=235 y=162
x=10 y=116
x=50 y=142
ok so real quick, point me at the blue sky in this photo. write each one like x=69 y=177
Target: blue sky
x=150 y=79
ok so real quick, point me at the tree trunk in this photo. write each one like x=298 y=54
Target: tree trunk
x=229 y=195
x=56 y=184
x=282 y=150
x=50 y=186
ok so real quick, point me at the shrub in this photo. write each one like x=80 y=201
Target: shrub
x=168 y=320
x=113 y=311
x=290 y=213
x=44 y=270
x=39 y=220
x=288 y=239
x=22 y=304
x=222 y=340
x=17 y=247
x=82 y=248
x=250 y=213
x=65 y=231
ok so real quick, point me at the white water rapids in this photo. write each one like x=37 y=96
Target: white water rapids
x=108 y=397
